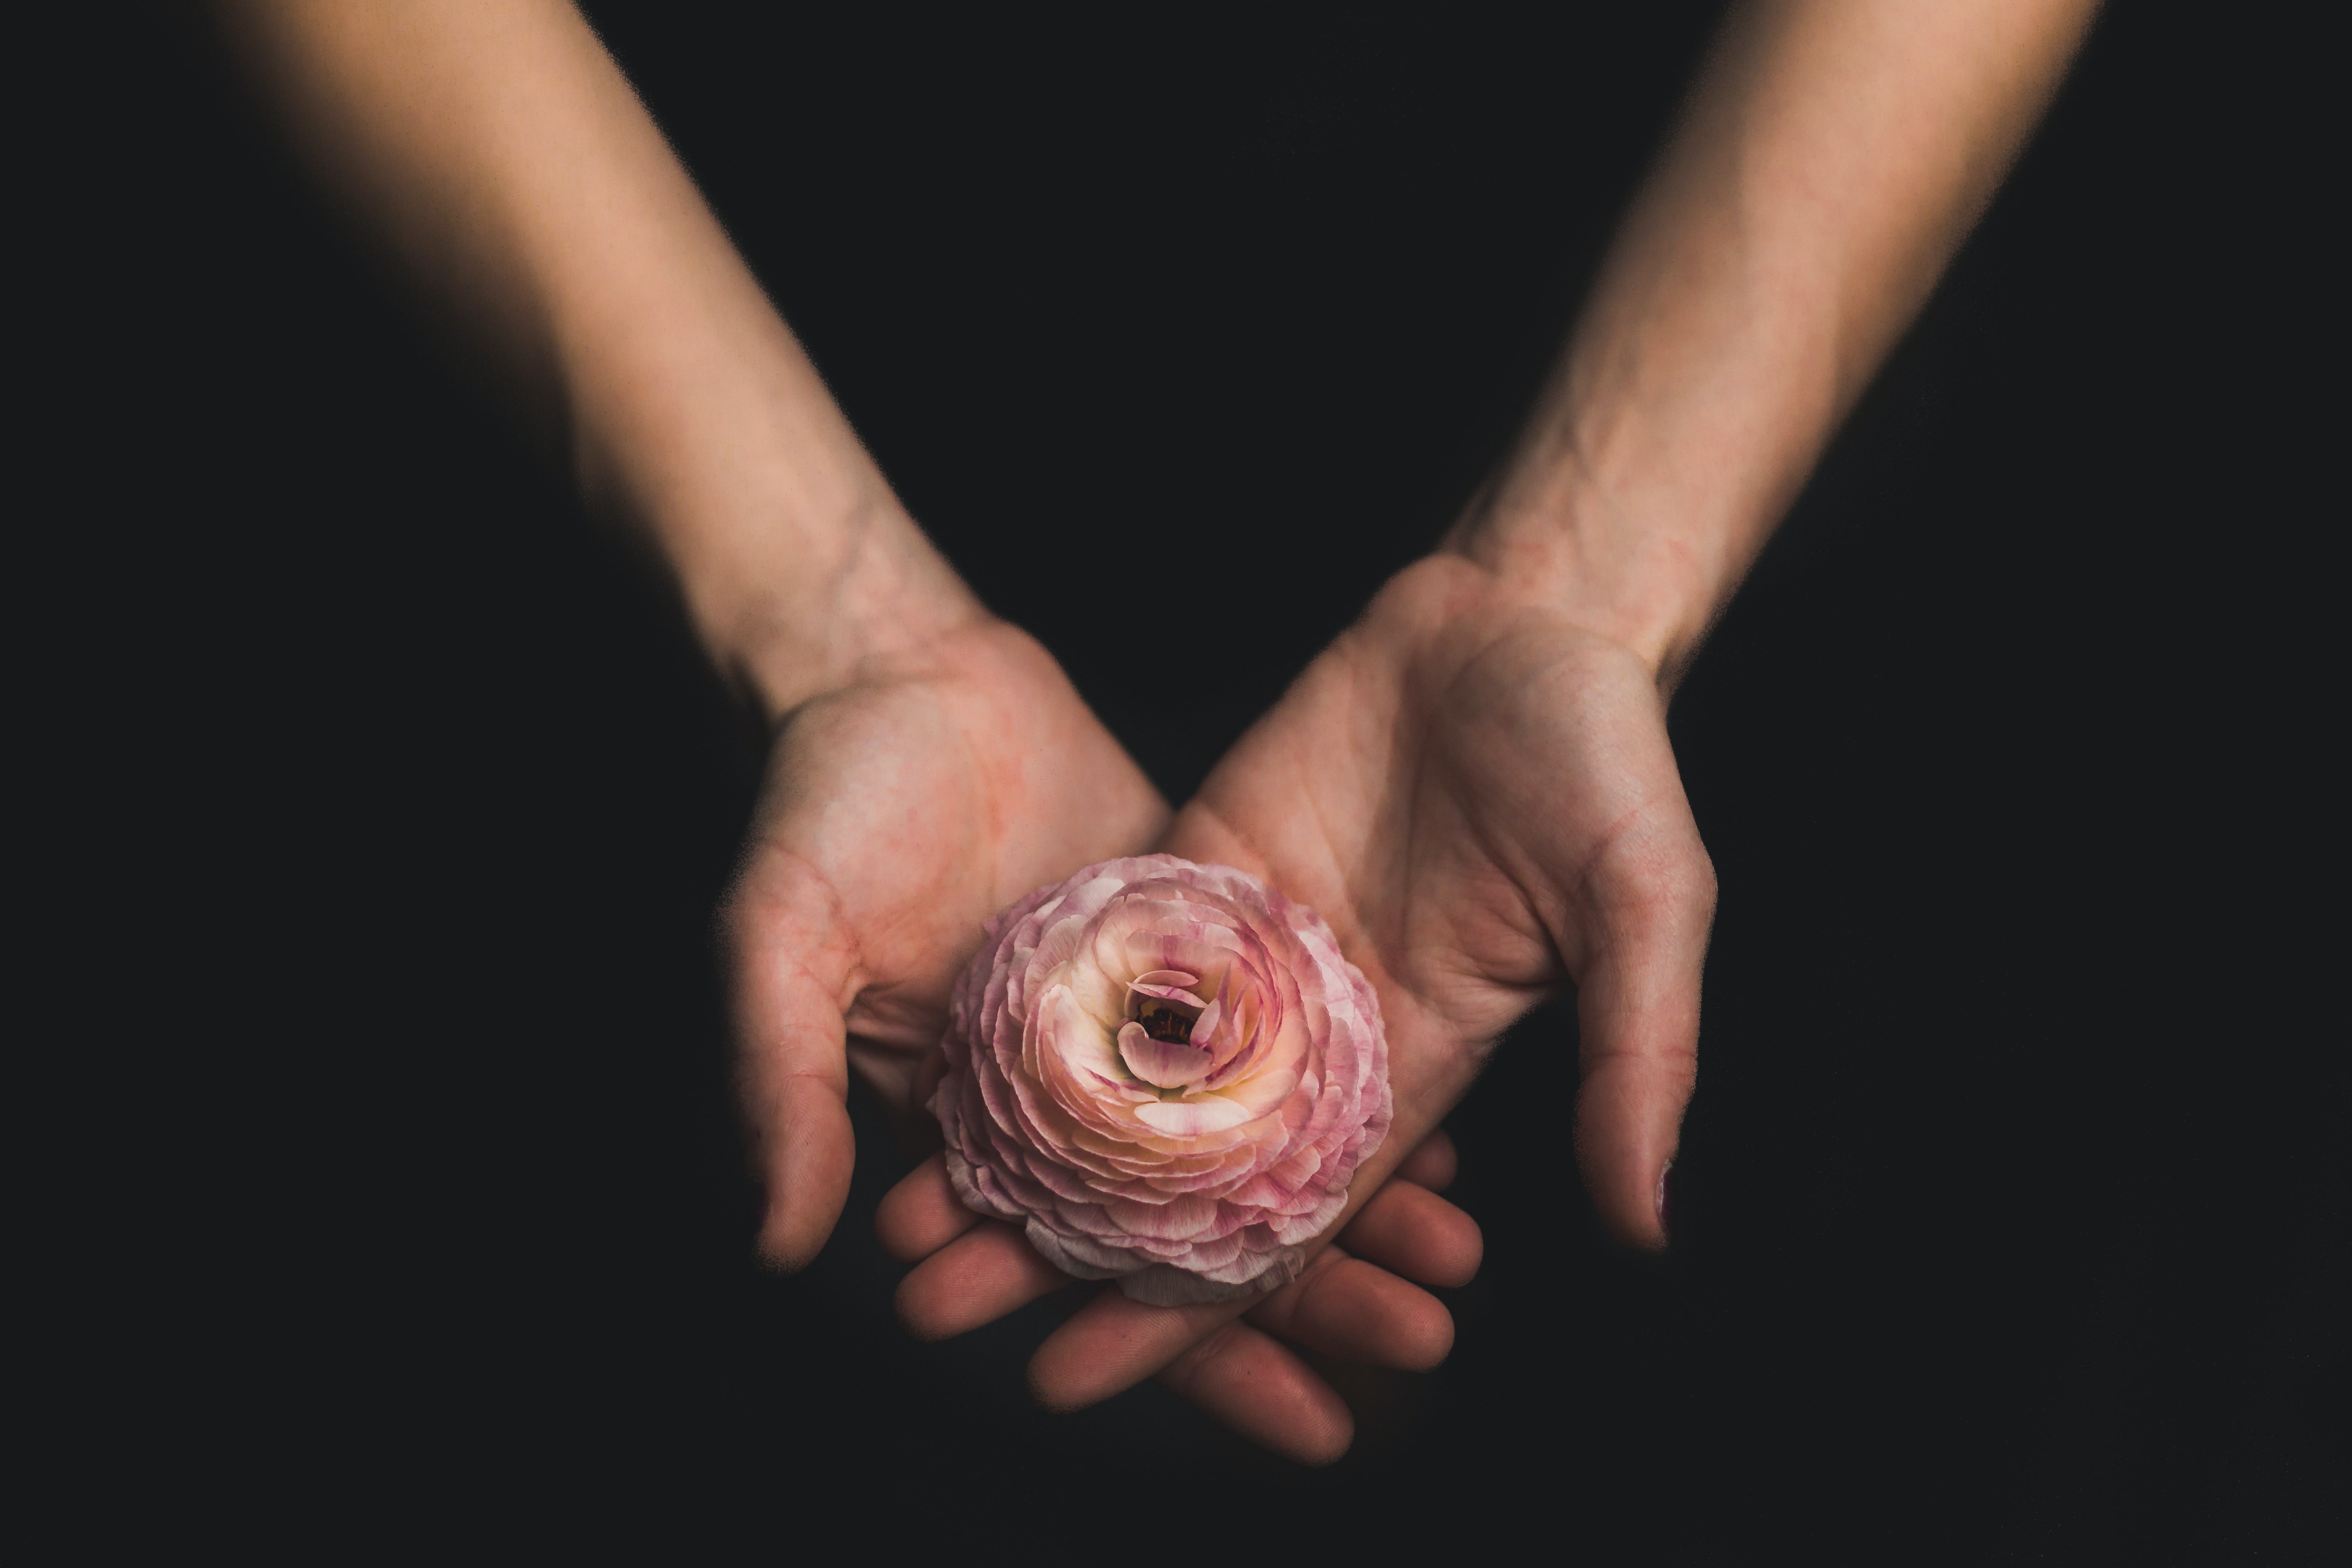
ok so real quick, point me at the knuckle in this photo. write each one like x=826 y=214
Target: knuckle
x=1681 y=883
x=1699 y=873
x=1669 y=889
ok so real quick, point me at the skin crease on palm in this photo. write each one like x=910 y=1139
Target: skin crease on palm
x=1473 y=785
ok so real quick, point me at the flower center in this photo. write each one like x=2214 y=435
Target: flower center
x=1165 y=1021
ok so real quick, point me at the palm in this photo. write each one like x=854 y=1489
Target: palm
x=1481 y=798
x=1479 y=794
x=898 y=816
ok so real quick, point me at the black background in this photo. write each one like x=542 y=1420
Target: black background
x=379 y=804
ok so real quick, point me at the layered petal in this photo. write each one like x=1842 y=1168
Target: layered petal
x=1168 y=1073
x=1162 y=1064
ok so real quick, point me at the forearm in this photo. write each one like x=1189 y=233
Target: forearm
x=500 y=150
x=1832 y=157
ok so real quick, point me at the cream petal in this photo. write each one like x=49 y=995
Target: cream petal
x=1261 y=1093
x=1189 y=1118
x=1043 y=1118
x=1165 y=1064
x=1068 y=1035
x=1103 y=998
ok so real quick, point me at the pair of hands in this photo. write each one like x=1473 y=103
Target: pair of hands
x=1473 y=785
x=1473 y=788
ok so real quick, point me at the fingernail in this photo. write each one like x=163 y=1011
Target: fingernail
x=1666 y=1200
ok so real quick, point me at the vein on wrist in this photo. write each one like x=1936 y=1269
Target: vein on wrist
x=879 y=599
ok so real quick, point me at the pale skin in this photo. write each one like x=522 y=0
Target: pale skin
x=1473 y=784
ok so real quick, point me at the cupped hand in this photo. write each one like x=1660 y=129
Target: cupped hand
x=1478 y=793
x=899 y=814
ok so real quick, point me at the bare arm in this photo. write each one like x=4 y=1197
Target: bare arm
x=505 y=158
x=1833 y=156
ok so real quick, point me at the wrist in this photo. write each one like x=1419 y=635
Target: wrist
x=874 y=602
x=1583 y=555
x=797 y=564
x=1638 y=500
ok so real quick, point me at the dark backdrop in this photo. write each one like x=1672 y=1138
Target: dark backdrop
x=388 y=803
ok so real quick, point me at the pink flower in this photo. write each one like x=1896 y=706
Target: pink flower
x=1165 y=1072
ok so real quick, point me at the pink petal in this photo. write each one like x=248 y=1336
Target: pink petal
x=1050 y=1107
x=1163 y=1063
x=1165 y=993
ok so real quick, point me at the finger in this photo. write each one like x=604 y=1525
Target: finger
x=1262 y=1390
x=922 y=1214
x=976 y=1279
x=791 y=977
x=1357 y=1311
x=1412 y=1231
x=1434 y=1165
x=1114 y=1342
x=1637 y=1015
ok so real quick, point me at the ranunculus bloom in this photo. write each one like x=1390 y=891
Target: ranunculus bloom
x=1165 y=1072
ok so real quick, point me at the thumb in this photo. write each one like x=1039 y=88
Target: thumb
x=792 y=972
x=1650 y=901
